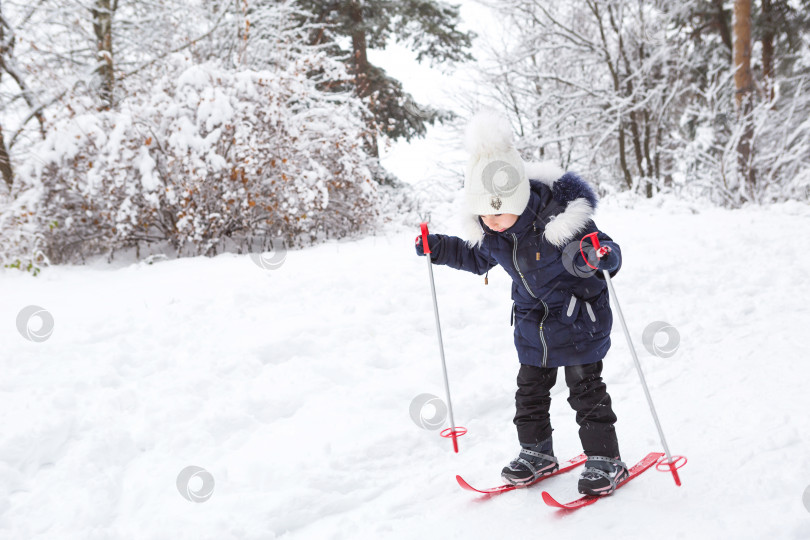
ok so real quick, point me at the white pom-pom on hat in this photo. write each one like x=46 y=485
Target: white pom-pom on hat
x=488 y=133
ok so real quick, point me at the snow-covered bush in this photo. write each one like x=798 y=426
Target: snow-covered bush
x=202 y=155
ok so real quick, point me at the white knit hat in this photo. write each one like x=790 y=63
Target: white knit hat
x=495 y=179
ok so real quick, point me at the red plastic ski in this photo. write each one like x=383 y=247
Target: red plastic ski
x=585 y=500
x=564 y=467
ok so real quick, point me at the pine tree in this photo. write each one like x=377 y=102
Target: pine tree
x=427 y=27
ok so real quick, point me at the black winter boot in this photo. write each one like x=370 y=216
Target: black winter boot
x=602 y=475
x=533 y=462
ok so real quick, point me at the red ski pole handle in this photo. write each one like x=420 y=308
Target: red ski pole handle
x=425 y=245
x=599 y=249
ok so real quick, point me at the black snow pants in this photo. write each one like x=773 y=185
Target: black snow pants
x=588 y=397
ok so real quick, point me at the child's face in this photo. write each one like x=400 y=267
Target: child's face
x=499 y=222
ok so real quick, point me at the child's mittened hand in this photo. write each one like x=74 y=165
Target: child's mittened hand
x=609 y=261
x=433 y=242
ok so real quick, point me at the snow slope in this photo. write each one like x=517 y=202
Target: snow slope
x=292 y=388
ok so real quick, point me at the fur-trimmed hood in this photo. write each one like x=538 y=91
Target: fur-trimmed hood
x=567 y=188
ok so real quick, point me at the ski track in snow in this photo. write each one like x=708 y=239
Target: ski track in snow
x=292 y=387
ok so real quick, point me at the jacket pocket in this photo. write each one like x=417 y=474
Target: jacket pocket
x=589 y=323
x=570 y=310
x=581 y=316
x=590 y=312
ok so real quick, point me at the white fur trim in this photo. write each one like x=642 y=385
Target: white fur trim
x=545 y=171
x=473 y=232
x=565 y=225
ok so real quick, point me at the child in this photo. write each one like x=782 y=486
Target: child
x=530 y=218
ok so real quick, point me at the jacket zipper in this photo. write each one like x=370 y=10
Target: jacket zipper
x=514 y=260
x=542 y=337
x=545 y=307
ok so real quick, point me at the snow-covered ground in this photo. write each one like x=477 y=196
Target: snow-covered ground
x=291 y=387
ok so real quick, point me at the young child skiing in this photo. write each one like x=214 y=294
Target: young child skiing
x=530 y=218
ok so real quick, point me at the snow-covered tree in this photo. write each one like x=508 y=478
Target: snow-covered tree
x=592 y=84
x=203 y=155
x=641 y=94
x=745 y=134
x=348 y=28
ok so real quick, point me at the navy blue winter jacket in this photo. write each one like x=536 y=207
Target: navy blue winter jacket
x=560 y=318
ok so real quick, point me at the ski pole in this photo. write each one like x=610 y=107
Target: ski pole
x=453 y=431
x=600 y=251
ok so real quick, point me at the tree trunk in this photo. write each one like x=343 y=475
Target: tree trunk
x=649 y=169
x=5 y=162
x=722 y=24
x=102 y=28
x=614 y=73
x=742 y=50
x=360 y=70
x=768 y=32
x=743 y=84
x=635 y=133
x=628 y=178
x=359 y=54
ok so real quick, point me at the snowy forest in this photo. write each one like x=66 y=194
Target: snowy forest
x=216 y=322
x=229 y=125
